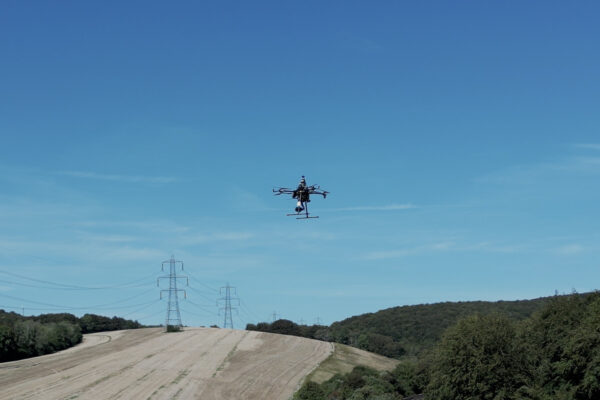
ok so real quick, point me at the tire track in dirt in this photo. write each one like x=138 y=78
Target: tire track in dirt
x=206 y=363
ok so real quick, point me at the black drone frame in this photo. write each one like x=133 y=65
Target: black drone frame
x=313 y=189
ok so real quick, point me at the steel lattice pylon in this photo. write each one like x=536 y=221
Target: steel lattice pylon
x=228 y=319
x=173 y=314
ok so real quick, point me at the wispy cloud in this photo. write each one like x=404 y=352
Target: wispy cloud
x=21 y=207
x=445 y=246
x=399 y=253
x=389 y=207
x=134 y=253
x=112 y=238
x=495 y=247
x=120 y=177
x=591 y=146
x=164 y=226
x=569 y=249
x=217 y=237
x=75 y=248
x=582 y=163
x=243 y=199
x=535 y=246
x=543 y=172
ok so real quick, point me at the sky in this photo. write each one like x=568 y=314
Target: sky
x=459 y=142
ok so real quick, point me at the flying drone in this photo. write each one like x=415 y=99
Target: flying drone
x=302 y=194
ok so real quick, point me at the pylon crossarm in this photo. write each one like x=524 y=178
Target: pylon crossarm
x=170 y=290
x=173 y=314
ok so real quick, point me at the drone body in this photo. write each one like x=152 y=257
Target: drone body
x=302 y=195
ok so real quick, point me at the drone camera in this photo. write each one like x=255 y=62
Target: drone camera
x=299 y=207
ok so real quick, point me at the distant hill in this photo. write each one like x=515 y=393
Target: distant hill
x=404 y=331
x=409 y=330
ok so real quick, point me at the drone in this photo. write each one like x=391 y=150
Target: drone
x=302 y=194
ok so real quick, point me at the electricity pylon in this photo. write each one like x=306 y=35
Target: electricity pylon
x=173 y=314
x=227 y=307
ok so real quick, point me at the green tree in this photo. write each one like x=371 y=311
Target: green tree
x=563 y=345
x=478 y=358
x=310 y=391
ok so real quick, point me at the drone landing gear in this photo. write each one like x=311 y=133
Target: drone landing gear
x=303 y=214
x=302 y=217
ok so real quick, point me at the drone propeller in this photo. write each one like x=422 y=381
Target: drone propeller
x=280 y=191
x=302 y=194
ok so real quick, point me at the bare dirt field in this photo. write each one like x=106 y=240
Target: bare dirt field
x=198 y=363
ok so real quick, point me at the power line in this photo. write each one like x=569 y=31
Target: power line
x=30 y=308
x=246 y=314
x=244 y=305
x=59 y=307
x=202 y=295
x=63 y=286
x=14 y=308
x=201 y=307
x=37 y=302
x=242 y=321
x=149 y=315
x=196 y=314
x=148 y=284
x=203 y=284
x=142 y=308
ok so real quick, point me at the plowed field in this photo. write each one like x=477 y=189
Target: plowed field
x=198 y=363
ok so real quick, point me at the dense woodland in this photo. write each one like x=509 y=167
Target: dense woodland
x=22 y=337
x=554 y=354
x=401 y=332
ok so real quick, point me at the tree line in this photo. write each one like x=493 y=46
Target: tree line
x=554 y=354
x=401 y=332
x=22 y=337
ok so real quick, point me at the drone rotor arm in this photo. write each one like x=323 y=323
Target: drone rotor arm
x=280 y=191
x=323 y=193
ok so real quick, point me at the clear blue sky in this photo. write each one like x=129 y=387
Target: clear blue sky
x=460 y=143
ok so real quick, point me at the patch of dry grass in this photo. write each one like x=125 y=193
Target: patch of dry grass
x=345 y=358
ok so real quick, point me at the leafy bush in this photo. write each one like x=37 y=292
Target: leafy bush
x=22 y=337
x=28 y=338
x=478 y=358
x=310 y=391
x=173 y=328
x=97 y=323
x=364 y=383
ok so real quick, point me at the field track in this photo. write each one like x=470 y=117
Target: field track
x=199 y=363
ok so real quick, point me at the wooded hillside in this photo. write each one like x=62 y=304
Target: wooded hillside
x=554 y=354
x=402 y=331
